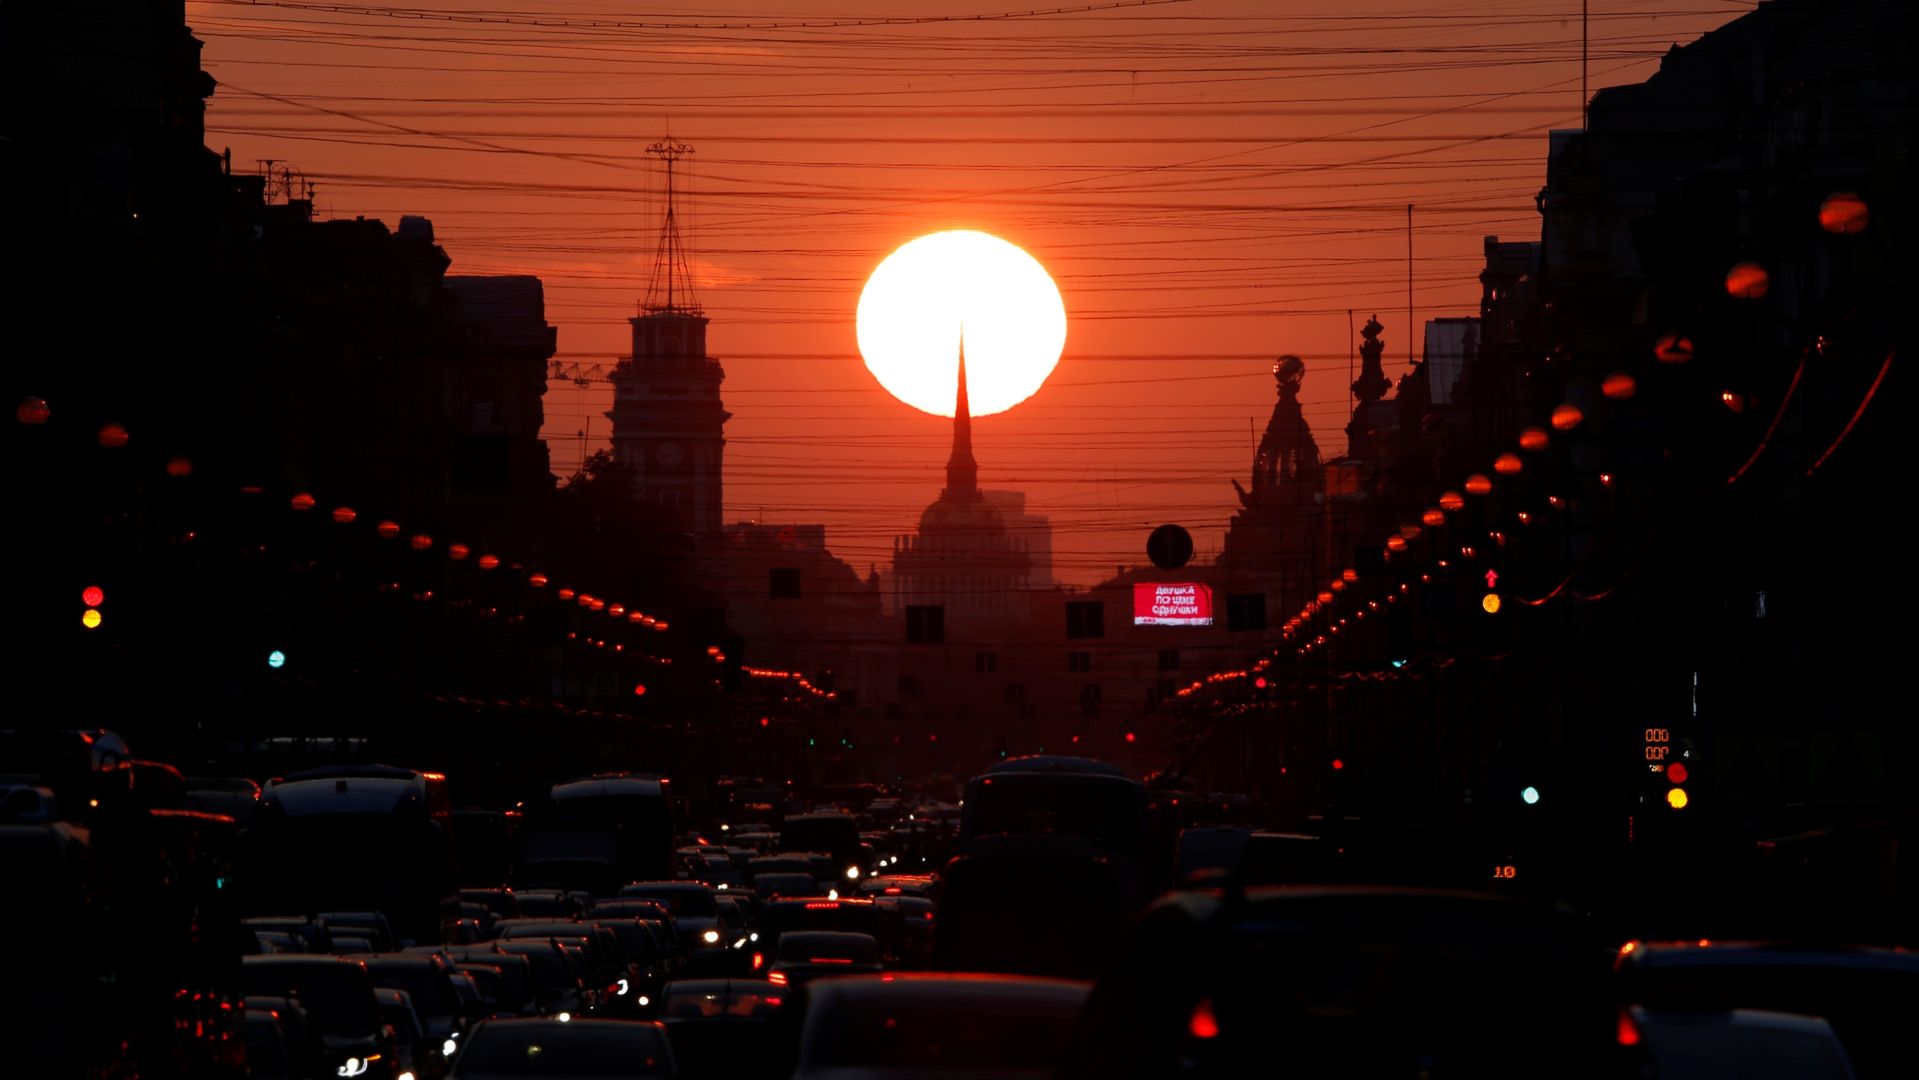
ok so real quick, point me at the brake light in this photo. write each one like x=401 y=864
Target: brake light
x=892 y=890
x=773 y=1000
x=1628 y=1032
x=1203 y=1025
x=829 y=960
x=777 y=978
x=759 y=961
x=818 y=905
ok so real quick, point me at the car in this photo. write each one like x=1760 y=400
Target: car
x=605 y=958
x=923 y=1025
x=1864 y=993
x=1751 y=1044
x=719 y=1027
x=416 y=1051
x=269 y=1056
x=695 y=913
x=555 y=980
x=1205 y=853
x=552 y=903
x=786 y=886
x=500 y=900
x=804 y=955
x=338 y=997
x=898 y=885
x=371 y=925
x=564 y=1049
x=1347 y=980
x=427 y=979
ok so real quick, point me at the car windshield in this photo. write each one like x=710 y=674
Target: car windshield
x=905 y=1031
x=337 y=996
x=682 y=902
x=814 y=948
x=578 y=1049
x=634 y=939
x=712 y=1002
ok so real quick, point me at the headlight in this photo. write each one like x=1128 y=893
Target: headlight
x=564 y=1017
x=711 y=937
x=623 y=988
x=852 y=873
x=404 y=1076
x=353 y=1067
x=448 y=1047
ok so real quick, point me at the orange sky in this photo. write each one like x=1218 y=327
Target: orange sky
x=1212 y=183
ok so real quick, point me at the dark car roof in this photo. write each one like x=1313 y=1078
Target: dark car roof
x=1055 y=763
x=952 y=986
x=1756 y=954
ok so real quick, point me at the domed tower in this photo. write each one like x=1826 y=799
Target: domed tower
x=1287 y=476
x=669 y=424
x=963 y=557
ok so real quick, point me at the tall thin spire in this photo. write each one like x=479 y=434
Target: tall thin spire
x=670 y=292
x=962 y=472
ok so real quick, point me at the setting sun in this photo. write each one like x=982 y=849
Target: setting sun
x=915 y=303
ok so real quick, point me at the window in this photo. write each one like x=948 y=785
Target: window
x=783 y=583
x=1169 y=659
x=1079 y=661
x=909 y=685
x=1086 y=619
x=925 y=623
x=985 y=663
x=1089 y=698
x=1245 y=611
x=1015 y=693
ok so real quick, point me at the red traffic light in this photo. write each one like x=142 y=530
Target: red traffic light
x=93 y=596
x=1677 y=773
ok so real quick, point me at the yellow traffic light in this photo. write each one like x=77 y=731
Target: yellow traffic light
x=1676 y=798
x=91 y=618
x=1490 y=603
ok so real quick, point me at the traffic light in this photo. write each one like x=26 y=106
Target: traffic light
x=1529 y=795
x=93 y=597
x=1677 y=774
x=1491 y=603
x=276 y=659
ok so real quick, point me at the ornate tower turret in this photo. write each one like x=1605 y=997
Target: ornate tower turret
x=669 y=424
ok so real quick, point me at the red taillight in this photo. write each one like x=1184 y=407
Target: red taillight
x=777 y=978
x=759 y=961
x=773 y=1000
x=1628 y=1032
x=829 y=960
x=816 y=905
x=892 y=890
x=1203 y=1025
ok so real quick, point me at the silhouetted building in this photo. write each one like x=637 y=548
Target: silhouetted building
x=964 y=558
x=669 y=425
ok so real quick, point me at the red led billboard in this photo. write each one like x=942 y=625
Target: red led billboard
x=1182 y=604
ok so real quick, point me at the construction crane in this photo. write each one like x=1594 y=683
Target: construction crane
x=581 y=375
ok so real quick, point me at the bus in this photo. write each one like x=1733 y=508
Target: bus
x=1047 y=795
x=596 y=834
x=353 y=838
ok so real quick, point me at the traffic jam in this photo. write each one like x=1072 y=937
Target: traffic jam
x=1050 y=916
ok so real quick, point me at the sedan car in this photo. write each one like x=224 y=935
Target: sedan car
x=563 y=1049
x=929 y=1026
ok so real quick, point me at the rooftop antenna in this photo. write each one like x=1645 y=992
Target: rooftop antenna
x=671 y=290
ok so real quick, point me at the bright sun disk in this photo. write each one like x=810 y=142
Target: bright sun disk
x=914 y=305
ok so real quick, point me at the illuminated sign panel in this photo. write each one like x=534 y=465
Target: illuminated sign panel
x=1172 y=605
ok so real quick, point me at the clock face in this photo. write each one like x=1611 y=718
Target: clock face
x=668 y=453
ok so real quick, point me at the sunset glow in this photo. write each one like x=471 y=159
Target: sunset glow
x=913 y=306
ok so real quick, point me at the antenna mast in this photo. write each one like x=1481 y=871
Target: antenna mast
x=671 y=290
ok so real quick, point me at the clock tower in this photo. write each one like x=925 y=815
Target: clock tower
x=669 y=426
